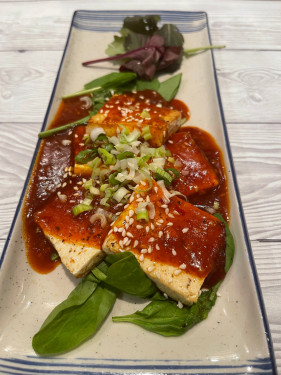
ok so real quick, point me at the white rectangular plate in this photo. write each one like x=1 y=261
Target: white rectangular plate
x=234 y=339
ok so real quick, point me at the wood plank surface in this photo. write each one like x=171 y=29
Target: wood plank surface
x=32 y=39
x=33 y=25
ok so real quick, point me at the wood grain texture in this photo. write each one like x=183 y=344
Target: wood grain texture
x=34 y=25
x=250 y=84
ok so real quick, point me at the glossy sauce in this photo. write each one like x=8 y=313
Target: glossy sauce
x=49 y=173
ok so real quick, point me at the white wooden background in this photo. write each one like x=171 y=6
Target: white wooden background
x=32 y=38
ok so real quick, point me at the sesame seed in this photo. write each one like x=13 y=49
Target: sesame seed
x=170 y=141
x=65 y=175
x=115 y=229
x=143 y=251
x=164 y=206
x=166 y=211
x=59 y=185
x=64 y=184
x=182 y=266
x=141 y=258
x=177 y=272
x=136 y=243
x=131 y=213
x=147 y=229
x=150 y=269
x=129 y=234
x=180 y=305
x=152 y=239
x=171 y=215
x=124 y=233
x=157 y=247
x=165 y=295
x=76 y=188
x=170 y=224
x=149 y=249
x=160 y=234
x=156 y=189
x=121 y=243
x=131 y=221
x=185 y=230
x=120 y=229
x=152 y=226
x=174 y=252
x=161 y=221
x=139 y=226
x=131 y=198
x=168 y=236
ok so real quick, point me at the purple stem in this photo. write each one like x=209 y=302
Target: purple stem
x=121 y=56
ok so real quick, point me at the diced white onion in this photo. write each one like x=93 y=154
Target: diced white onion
x=99 y=216
x=95 y=133
x=166 y=194
x=87 y=102
x=120 y=194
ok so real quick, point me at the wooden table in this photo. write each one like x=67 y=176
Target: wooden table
x=32 y=39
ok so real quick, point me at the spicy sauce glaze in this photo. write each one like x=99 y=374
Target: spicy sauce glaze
x=49 y=174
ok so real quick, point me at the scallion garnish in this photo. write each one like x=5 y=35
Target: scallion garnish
x=125 y=155
x=143 y=215
x=160 y=174
x=81 y=207
x=106 y=156
x=85 y=156
x=48 y=133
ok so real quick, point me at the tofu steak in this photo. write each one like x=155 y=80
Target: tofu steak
x=177 y=248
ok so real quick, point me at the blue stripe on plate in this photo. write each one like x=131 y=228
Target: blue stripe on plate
x=111 y=366
x=187 y=22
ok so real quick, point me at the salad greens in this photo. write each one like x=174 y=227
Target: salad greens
x=83 y=312
x=145 y=48
x=104 y=87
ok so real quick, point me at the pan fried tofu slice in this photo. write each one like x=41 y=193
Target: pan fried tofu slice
x=196 y=173
x=177 y=248
x=77 y=240
x=78 y=258
x=136 y=111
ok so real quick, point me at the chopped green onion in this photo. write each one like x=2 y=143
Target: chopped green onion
x=160 y=174
x=87 y=201
x=48 y=133
x=76 y=210
x=108 y=158
x=94 y=190
x=143 y=215
x=112 y=180
x=55 y=256
x=109 y=147
x=101 y=138
x=145 y=114
x=175 y=173
x=143 y=160
x=88 y=184
x=148 y=178
x=120 y=194
x=103 y=202
x=85 y=156
x=129 y=138
x=81 y=92
x=146 y=133
x=104 y=187
x=125 y=155
x=171 y=159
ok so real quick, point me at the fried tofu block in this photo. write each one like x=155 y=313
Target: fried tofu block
x=78 y=258
x=136 y=111
x=176 y=248
x=77 y=240
x=196 y=173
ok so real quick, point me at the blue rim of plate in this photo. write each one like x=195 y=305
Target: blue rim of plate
x=83 y=19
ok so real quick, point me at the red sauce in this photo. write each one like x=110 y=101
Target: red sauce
x=49 y=172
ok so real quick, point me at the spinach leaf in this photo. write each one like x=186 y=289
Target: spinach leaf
x=77 y=297
x=111 y=80
x=125 y=274
x=116 y=47
x=230 y=247
x=147 y=85
x=169 y=88
x=167 y=319
x=74 y=324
